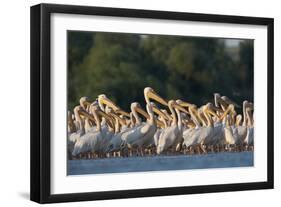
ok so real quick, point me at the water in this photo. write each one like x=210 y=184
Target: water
x=159 y=163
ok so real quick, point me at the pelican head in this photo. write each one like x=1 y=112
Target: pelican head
x=103 y=100
x=228 y=101
x=149 y=93
x=238 y=120
x=175 y=104
x=84 y=102
x=135 y=105
x=186 y=104
x=79 y=110
x=250 y=105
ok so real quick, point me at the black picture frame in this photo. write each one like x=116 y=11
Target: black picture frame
x=41 y=96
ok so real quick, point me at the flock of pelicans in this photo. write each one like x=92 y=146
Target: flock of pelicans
x=102 y=129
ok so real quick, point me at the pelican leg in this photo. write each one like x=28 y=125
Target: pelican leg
x=203 y=148
x=142 y=151
x=178 y=147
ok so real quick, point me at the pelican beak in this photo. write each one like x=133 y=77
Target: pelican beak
x=167 y=115
x=122 y=121
x=142 y=112
x=160 y=123
x=106 y=101
x=230 y=108
x=119 y=111
x=185 y=104
x=228 y=101
x=159 y=112
x=151 y=94
x=214 y=108
x=106 y=116
x=179 y=107
x=86 y=114
x=87 y=103
x=211 y=110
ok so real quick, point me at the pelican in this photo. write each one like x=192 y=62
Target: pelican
x=103 y=100
x=70 y=123
x=84 y=103
x=119 y=140
x=240 y=131
x=164 y=117
x=102 y=128
x=229 y=136
x=96 y=139
x=142 y=135
x=74 y=136
x=249 y=140
x=211 y=133
x=171 y=135
x=191 y=134
x=89 y=141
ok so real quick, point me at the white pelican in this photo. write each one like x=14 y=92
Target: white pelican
x=249 y=140
x=103 y=100
x=172 y=135
x=70 y=123
x=230 y=136
x=74 y=136
x=119 y=140
x=191 y=134
x=143 y=134
x=164 y=117
x=84 y=103
x=96 y=139
x=239 y=132
x=89 y=141
x=211 y=133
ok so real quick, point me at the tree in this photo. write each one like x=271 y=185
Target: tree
x=189 y=68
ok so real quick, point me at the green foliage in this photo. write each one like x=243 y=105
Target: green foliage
x=189 y=68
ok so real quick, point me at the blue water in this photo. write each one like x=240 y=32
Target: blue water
x=160 y=163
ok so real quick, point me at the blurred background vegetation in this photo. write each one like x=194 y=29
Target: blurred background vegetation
x=176 y=67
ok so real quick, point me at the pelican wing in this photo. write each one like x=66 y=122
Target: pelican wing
x=250 y=136
x=140 y=135
x=228 y=135
x=190 y=136
x=87 y=143
x=168 y=138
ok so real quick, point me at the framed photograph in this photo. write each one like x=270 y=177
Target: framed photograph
x=132 y=103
